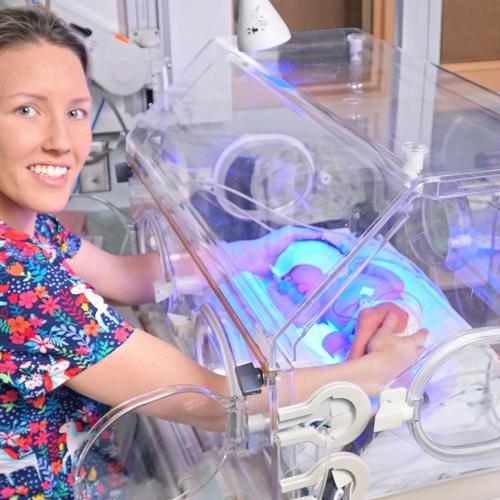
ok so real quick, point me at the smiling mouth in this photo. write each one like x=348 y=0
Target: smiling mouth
x=49 y=171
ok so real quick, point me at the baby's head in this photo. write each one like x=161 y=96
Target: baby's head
x=298 y=272
x=304 y=265
x=309 y=255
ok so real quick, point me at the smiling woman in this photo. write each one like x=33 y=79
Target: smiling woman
x=46 y=132
x=44 y=108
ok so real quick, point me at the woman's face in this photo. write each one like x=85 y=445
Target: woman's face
x=45 y=132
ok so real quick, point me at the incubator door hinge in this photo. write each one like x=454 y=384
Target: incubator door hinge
x=394 y=410
x=349 y=472
x=335 y=415
x=342 y=407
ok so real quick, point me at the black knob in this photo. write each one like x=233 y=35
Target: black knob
x=123 y=172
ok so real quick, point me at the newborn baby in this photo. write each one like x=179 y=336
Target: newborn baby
x=357 y=312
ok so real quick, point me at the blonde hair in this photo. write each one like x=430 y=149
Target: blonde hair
x=25 y=25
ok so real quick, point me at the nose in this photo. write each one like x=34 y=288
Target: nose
x=57 y=137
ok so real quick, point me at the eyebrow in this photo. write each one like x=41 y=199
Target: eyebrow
x=41 y=97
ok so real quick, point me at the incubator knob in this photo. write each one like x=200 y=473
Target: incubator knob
x=355 y=41
x=415 y=155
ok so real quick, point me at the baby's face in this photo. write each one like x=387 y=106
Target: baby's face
x=296 y=286
x=305 y=278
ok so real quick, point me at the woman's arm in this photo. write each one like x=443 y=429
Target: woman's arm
x=129 y=279
x=124 y=279
x=145 y=363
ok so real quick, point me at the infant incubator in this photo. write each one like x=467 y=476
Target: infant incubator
x=391 y=166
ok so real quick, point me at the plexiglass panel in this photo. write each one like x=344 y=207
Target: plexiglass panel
x=455 y=429
x=330 y=176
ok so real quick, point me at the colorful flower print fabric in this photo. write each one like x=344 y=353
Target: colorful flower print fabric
x=52 y=326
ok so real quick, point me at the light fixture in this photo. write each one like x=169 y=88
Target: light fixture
x=260 y=26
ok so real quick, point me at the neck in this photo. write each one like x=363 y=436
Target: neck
x=18 y=218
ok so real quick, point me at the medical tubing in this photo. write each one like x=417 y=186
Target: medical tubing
x=258 y=203
x=207 y=313
x=248 y=140
x=434 y=360
x=127 y=222
x=147 y=216
x=109 y=100
x=98 y=113
x=252 y=345
x=134 y=404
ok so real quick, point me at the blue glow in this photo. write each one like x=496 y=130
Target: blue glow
x=438 y=316
x=281 y=67
x=311 y=252
x=278 y=82
x=286 y=288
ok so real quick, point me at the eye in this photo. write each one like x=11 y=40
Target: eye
x=26 y=111
x=78 y=114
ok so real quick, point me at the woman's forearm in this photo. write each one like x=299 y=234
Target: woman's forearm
x=140 y=271
x=368 y=372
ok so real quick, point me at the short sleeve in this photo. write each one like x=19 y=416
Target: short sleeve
x=57 y=235
x=53 y=325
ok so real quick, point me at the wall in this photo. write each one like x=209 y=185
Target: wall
x=471 y=30
x=305 y=15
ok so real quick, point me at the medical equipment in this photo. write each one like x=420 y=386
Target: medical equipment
x=156 y=39
x=153 y=44
x=436 y=425
x=259 y=26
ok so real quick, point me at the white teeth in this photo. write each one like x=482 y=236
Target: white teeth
x=53 y=171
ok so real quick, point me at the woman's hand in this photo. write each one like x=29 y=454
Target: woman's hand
x=393 y=353
x=257 y=255
x=370 y=320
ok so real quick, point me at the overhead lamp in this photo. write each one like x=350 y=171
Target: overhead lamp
x=259 y=26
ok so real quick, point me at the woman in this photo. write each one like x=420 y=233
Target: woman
x=65 y=354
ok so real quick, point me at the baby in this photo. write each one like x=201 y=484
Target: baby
x=360 y=308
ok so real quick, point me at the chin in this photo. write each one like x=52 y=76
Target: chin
x=49 y=204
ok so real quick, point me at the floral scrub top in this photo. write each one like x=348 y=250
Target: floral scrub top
x=52 y=326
